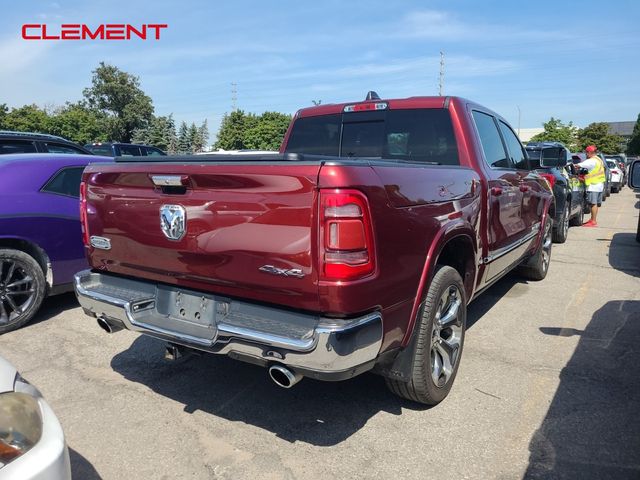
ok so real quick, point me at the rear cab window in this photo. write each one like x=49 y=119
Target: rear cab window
x=415 y=135
x=129 y=151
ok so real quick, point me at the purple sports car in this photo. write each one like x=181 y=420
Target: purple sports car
x=40 y=235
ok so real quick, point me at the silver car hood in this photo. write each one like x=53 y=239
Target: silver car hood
x=7 y=376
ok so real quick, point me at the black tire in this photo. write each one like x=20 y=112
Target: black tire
x=433 y=338
x=561 y=230
x=614 y=189
x=537 y=266
x=22 y=289
x=578 y=219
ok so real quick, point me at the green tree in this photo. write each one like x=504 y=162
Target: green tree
x=160 y=133
x=77 y=123
x=117 y=96
x=556 y=131
x=203 y=130
x=195 y=143
x=183 y=139
x=232 y=129
x=4 y=110
x=633 y=148
x=28 y=118
x=598 y=134
x=268 y=132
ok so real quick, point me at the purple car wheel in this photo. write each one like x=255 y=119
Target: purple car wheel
x=22 y=288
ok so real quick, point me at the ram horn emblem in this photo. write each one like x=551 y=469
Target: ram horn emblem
x=173 y=219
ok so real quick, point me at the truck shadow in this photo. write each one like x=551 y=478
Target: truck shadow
x=52 y=306
x=591 y=428
x=81 y=468
x=624 y=253
x=318 y=413
x=487 y=300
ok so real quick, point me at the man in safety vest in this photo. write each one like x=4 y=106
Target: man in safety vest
x=594 y=181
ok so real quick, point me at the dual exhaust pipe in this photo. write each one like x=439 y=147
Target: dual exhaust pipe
x=281 y=375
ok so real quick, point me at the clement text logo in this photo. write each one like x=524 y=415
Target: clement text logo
x=80 y=31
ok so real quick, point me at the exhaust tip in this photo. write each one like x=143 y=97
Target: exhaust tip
x=283 y=376
x=108 y=326
x=104 y=325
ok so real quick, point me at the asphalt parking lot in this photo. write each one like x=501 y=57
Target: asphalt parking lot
x=549 y=387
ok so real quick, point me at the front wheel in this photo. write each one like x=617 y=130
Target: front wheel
x=578 y=220
x=440 y=330
x=561 y=231
x=537 y=266
x=22 y=289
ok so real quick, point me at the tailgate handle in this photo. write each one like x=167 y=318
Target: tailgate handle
x=171 y=184
x=170 y=180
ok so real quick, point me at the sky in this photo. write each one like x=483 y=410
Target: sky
x=577 y=60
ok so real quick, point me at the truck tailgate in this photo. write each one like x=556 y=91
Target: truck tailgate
x=249 y=229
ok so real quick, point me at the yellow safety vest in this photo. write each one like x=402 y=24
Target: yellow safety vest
x=596 y=175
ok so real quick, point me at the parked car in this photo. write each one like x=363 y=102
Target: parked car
x=357 y=248
x=40 y=237
x=608 y=183
x=111 y=149
x=634 y=183
x=28 y=142
x=621 y=163
x=550 y=160
x=616 y=176
x=32 y=443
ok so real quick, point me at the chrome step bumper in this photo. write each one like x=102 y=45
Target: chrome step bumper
x=239 y=329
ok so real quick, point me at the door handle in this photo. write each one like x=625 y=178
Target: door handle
x=524 y=187
x=496 y=191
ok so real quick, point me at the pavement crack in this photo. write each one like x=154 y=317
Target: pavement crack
x=488 y=394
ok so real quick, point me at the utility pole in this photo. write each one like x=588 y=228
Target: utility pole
x=518 y=120
x=234 y=96
x=441 y=83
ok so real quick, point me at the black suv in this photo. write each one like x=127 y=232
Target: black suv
x=28 y=142
x=551 y=160
x=111 y=149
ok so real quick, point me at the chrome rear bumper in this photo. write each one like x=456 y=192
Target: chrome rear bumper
x=332 y=348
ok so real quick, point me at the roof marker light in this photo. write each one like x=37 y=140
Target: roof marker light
x=363 y=107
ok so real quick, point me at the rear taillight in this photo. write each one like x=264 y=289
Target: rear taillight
x=83 y=213
x=550 y=178
x=346 y=236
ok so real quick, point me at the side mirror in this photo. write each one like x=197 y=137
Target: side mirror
x=634 y=175
x=553 y=157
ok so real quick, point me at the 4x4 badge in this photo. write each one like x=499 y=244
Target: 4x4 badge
x=173 y=219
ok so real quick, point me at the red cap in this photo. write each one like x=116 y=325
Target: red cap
x=590 y=148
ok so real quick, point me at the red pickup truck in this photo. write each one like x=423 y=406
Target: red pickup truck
x=357 y=247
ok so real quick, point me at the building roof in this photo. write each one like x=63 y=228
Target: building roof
x=624 y=129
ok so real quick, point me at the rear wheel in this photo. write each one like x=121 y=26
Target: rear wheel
x=562 y=229
x=440 y=330
x=537 y=266
x=22 y=289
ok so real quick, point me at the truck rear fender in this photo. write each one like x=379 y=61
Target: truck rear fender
x=454 y=245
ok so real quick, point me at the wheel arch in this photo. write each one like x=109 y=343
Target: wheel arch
x=34 y=250
x=454 y=245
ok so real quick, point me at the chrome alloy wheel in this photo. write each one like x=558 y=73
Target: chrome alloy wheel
x=446 y=336
x=565 y=222
x=17 y=291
